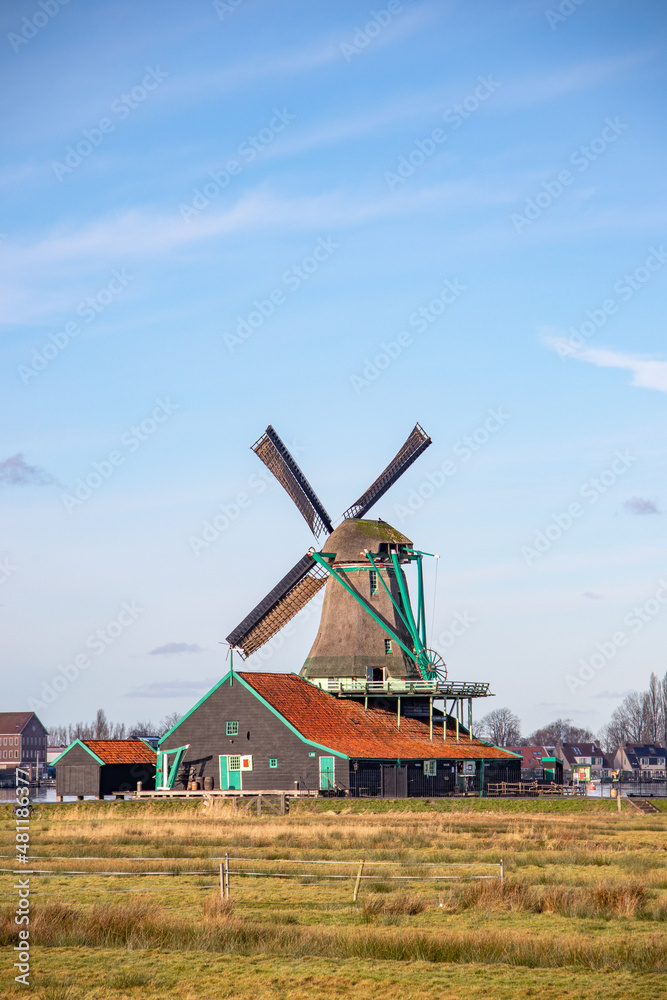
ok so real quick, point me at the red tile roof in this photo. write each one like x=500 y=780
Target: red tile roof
x=121 y=751
x=342 y=724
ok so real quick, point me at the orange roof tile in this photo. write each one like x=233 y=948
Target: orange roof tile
x=122 y=751
x=342 y=724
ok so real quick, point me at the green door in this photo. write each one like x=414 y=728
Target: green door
x=326 y=774
x=230 y=772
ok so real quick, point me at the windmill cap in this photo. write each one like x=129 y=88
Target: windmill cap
x=353 y=536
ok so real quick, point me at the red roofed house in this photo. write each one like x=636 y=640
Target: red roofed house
x=265 y=731
x=102 y=767
x=22 y=743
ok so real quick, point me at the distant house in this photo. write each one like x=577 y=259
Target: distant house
x=264 y=731
x=23 y=741
x=539 y=764
x=583 y=762
x=642 y=761
x=102 y=767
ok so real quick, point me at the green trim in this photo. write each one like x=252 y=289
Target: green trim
x=81 y=744
x=363 y=602
x=263 y=701
x=391 y=596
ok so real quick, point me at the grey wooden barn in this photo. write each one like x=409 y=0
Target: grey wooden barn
x=102 y=767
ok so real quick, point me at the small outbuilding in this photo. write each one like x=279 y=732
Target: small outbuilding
x=102 y=767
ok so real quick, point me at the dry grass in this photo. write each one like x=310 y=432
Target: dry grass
x=604 y=872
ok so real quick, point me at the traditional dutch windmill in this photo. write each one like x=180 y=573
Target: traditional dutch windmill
x=368 y=632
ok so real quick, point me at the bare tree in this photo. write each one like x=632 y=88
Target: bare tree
x=501 y=727
x=169 y=721
x=560 y=731
x=144 y=727
x=640 y=718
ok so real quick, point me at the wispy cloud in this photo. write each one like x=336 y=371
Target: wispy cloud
x=171 y=689
x=15 y=471
x=592 y=596
x=647 y=373
x=637 y=505
x=176 y=647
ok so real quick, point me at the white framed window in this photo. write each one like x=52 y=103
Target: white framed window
x=430 y=768
x=232 y=728
x=387 y=646
x=373 y=577
x=233 y=763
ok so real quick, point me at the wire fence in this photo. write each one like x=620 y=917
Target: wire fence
x=326 y=875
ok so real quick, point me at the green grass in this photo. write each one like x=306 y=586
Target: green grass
x=581 y=913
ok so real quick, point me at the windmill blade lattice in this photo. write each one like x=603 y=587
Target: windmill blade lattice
x=280 y=605
x=271 y=450
x=417 y=442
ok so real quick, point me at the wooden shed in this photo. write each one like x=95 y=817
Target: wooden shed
x=102 y=767
x=265 y=731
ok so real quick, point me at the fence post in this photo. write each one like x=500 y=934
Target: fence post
x=227 y=890
x=222 y=882
x=358 y=882
x=618 y=799
x=502 y=869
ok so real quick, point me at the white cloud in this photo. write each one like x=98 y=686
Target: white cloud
x=646 y=373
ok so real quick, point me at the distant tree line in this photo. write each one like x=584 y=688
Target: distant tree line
x=102 y=728
x=640 y=718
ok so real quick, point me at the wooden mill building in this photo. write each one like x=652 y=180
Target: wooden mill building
x=264 y=731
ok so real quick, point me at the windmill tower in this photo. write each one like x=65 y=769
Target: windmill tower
x=368 y=632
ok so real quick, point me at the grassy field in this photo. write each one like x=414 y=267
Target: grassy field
x=580 y=914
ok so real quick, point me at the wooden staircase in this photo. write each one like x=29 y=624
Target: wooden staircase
x=642 y=805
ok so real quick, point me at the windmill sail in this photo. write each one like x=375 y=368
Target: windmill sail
x=278 y=460
x=417 y=442
x=285 y=601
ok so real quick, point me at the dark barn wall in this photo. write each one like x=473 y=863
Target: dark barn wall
x=124 y=777
x=77 y=773
x=261 y=734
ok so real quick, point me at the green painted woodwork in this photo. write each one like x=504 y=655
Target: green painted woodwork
x=327 y=774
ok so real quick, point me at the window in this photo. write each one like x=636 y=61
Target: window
x=4 y=754
x=273 y=762
x=232 y=729
x=11 y=741
x=4 y=742
x=373 y=577
x=233 y=763
x=430 y=768
x=387 y=646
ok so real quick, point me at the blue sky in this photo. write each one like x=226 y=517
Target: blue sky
x=339 y=219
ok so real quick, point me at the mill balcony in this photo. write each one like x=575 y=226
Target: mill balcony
x=395 y=687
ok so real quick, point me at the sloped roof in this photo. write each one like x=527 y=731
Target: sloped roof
x=573 y=750
x=342 y=724
x=121 y=751
x=15 y=722
x=532 y=756
x=636 y=750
